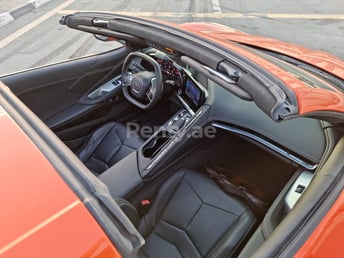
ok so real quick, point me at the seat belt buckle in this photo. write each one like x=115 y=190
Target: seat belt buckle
x=144 y=206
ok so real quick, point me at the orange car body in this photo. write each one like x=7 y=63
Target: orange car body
x=42 y=217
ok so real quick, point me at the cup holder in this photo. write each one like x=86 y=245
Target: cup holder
x=156 y=143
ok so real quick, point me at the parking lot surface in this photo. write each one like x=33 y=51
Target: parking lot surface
x=36 y=38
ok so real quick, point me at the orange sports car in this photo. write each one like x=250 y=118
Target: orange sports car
x=190 y=140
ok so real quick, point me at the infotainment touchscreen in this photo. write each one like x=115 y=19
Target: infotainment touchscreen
x=193 y=93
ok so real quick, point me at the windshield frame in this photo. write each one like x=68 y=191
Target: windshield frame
x=308 y=74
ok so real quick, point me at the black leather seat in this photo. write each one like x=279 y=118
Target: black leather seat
x=108 y=145
x=192 y=217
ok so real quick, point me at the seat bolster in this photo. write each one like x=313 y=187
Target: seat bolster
x=129 y=210
x=94 y=141
x=149 y=221
x=108 y=145
x=233 y=238
x=128 y=137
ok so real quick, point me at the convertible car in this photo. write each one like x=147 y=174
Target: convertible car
x=189 y=140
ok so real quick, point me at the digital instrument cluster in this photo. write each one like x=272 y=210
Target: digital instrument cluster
x=168 y=67
x=187 y=87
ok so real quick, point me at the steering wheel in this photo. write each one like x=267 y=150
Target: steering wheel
x=141 y=87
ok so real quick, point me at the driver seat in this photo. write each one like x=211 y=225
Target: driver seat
x=107 y=145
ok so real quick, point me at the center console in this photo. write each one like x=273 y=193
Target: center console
x=154 y=154
x=155 y=144
x=166 y=144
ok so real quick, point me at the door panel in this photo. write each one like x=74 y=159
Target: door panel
x=58 y=93
x=48 y=90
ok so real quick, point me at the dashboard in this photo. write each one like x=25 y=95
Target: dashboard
x=294 y=135
x=174 y=76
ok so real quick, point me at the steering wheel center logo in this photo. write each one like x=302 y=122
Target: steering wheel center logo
x=137 y=85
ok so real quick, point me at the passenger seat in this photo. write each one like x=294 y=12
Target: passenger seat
x=192 y=217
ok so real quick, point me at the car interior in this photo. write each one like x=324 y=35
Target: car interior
x=199 y=171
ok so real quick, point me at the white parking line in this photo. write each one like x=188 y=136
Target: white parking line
x=301 y=16
x=216 y=6
x=33 y=24
x=39 y=3
x=220 y=15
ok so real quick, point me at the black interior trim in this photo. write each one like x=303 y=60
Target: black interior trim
x=306 y=215
x=268 y=144
x=114 y=34
x=293 y=134
x=223 y=82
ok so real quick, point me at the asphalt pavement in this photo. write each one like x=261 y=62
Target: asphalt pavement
x=35 y=38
